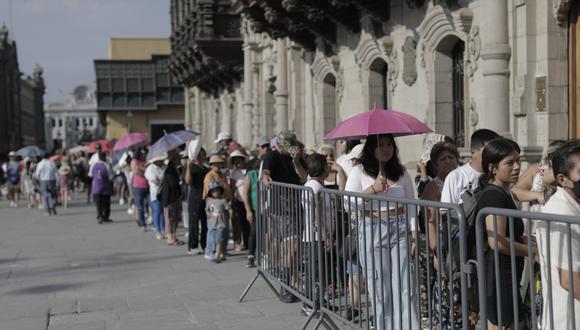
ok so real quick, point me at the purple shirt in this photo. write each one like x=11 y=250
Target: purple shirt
x=101 y=181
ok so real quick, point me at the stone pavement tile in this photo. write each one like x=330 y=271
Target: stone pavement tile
x=261 y=323
x=203 y=312
x=93 y=325
x=31 y=323
x=275 y=307
x=22 y=310
x=160 y=313
x=152 y=301
x=84 y=317
x=117 y=304
x=148 y=324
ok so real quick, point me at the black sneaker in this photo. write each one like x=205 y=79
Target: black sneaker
x=107 y=220
x=288 y=298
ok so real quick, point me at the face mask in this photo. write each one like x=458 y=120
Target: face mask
x=576 y=189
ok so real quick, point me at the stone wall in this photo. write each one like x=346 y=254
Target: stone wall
x=515 y=76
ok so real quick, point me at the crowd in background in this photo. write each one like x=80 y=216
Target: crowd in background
x=215 y=196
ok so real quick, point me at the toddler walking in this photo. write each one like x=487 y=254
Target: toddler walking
x=218 y=213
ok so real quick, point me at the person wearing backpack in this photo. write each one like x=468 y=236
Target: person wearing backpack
x=444 y=158
x=465 y=177
x=501 y=169
x=13 y=170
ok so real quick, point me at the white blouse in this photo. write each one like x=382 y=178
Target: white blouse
x=358 y=181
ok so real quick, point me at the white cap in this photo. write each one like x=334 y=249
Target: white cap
x=163 y=156
x=12 y=154
x=223 y=136
x=355 y=152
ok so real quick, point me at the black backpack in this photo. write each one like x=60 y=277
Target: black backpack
x=451 y=249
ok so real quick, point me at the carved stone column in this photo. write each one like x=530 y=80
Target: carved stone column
x=256 y=98
x=496 y=53
x=281 y=93
x=248 y=105
x=188 y=108
x=197 y=119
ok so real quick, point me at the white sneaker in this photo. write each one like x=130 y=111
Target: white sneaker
x=186 y=234
x=122 y=201
x=130 y=211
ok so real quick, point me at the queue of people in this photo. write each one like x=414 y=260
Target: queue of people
x=216 y=196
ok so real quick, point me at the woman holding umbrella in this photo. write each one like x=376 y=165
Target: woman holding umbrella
x=379 y=172
x=384 y=228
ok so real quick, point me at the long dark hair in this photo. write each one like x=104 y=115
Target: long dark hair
x=493 y=153
x=393 y=169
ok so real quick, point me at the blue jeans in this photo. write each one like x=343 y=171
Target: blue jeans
x=215 y=236
x=48 y=190
x=140 y=198
x=158 y=219
x=384 y=258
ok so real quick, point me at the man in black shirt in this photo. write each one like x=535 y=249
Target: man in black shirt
x=285 y=165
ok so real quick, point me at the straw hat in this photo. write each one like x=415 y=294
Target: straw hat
x=216 y=159
x=237 y=153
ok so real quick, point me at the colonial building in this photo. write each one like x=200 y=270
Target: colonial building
x=135 y=92
x=458 y=65
x=74 y=121
x=21 y=101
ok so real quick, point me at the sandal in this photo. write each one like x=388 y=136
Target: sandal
x=175 y=243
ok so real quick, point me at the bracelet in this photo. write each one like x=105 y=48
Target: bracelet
x=373 y=188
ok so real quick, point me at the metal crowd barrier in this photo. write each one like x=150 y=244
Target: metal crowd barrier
x=336 y=252
x=500 y=268
x=379 y=274
x=354 y=259
x=284 y=257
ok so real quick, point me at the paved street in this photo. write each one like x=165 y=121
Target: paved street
x=68 y=272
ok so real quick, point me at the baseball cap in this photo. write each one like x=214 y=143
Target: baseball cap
x=261 y=140
x=355 y=152
x=214 y=185
x=12 y=154
x=287 y=139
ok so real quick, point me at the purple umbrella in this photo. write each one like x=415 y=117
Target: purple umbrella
x=132 y=140
x=375 y=122
x=169 y=142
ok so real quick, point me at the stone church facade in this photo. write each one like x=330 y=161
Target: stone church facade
x=256 y=67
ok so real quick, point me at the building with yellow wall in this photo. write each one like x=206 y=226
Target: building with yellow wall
x=135 y=92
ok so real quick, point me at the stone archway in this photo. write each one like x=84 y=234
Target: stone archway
x=329 y=103
x=450 y=89
x=378 y=84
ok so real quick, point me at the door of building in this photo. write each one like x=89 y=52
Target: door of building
x=574 y=63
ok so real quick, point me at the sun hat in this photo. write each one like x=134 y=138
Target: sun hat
x=355 y=152
x=161 y=157
x=193 y=149
x=64 y=170
x=223 y=136
x=237 y=153
x=216 y=159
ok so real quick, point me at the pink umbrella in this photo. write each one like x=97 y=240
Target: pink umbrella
x=375 y=122
x=132 y=140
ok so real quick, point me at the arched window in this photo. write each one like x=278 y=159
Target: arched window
x=450 y=90
x=329 y=102
x=378 y=84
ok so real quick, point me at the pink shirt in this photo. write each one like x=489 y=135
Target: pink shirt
x=139 y=180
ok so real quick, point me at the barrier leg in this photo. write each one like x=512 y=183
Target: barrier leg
x=258 y=274
x=310 y=318
x=326 y=321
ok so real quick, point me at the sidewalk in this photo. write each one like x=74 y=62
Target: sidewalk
x=68 y=272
